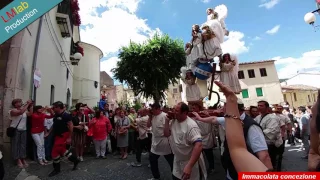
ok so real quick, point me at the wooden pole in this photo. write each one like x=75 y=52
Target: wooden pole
x=214 y=66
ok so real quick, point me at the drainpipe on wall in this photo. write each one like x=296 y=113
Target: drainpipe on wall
x=33 y=92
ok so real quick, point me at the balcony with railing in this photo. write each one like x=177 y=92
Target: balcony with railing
x=65 y=19
x=76 y=52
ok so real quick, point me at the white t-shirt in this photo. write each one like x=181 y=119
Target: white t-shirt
x=142 y=126
x=160 y=143
x=206 y=133
x=184 y=135
x=15 y=120
x=48 y=123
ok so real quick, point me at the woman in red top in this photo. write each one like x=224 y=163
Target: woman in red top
x=37 y=130
x=101 y=128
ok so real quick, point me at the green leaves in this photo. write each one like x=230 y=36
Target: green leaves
x=150 y=67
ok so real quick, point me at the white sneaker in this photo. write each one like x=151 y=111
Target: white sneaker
x=136 y=164
x=81 y=159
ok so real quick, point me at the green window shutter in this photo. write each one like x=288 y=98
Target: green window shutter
x=245 y=93
x=259 y=92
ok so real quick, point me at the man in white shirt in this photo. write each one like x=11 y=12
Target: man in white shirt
x=185 y=133
x=285 y=125
x=142 y=140
x=48 y=138
x=270 y=124
x=160 y=144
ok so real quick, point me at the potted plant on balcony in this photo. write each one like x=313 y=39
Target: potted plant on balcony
x=75 y=13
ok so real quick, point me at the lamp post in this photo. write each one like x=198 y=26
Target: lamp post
x=310 y=17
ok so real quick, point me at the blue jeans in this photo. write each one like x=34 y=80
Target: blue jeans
x=48 y=144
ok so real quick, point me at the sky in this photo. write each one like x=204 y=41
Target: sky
x=259 y=29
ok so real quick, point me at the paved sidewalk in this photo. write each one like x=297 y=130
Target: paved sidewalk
x=116 y=169
x=110 y=168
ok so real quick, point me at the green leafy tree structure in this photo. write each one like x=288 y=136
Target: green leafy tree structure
x=148 y=68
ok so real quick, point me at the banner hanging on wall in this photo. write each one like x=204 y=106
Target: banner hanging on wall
x=15 y=15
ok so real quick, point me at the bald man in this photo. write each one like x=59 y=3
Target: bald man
x=186 y=135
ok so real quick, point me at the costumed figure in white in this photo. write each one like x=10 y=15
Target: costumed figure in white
x=212 y=35
x=196 y=47
x=193 y=93
x=187 y=49
x=229 y=67
x=219 y=13
x=213 y=32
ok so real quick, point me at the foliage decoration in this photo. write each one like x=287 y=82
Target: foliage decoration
x=75 y=13
x=148 y=68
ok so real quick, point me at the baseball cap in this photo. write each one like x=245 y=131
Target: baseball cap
x=239 y=101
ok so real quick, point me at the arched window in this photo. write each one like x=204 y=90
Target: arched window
x=52 y=95
x=68 y=98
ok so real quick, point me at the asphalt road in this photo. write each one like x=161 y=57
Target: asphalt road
x=116 y=169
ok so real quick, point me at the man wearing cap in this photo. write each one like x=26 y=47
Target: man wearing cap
x=254 y=137
x=62 y=130
x=160 y=144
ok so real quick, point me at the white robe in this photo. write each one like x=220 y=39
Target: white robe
x=229 y=76
x=212 y=47
x=197 y=47
x=193 y=92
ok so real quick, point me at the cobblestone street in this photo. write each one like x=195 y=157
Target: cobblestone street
x=113 y=168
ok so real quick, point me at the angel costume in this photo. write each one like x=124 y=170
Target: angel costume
x=219 y=13
x=193 y=92
x=212 y=44
x=196 y=47
x=192 y=89
x=229 y=72
x=188 y=55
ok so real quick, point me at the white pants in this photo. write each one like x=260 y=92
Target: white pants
x=100 y=147
x=39 y=141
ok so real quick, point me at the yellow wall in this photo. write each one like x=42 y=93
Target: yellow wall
x=174 y=95
x=301 y=98
x=270 y=84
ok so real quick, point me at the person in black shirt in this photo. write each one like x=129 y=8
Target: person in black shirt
x=62 y=131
